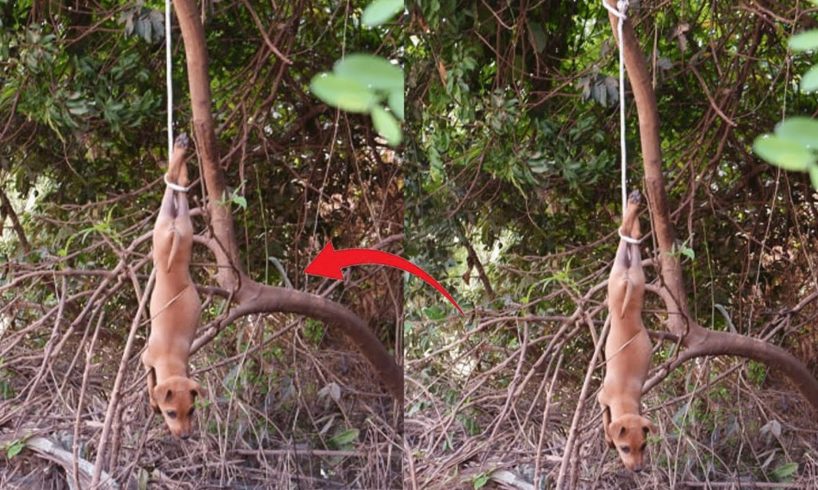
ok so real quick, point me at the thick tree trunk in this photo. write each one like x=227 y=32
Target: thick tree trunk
x=251 y=296
x=697 y=340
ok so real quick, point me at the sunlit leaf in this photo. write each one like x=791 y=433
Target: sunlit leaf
x=787 y=154
x=342 y=93
x=380 y=11
x=396 y=103
x=371 y=71
x=809 y=81
x=386 y=125
x=801 y=129
x=804 y=41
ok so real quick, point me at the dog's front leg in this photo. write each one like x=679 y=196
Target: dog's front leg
x=606 y=417
x=151 y=379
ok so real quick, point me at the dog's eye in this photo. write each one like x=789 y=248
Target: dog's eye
x=190 y=412
x=625 y=449
x=171 y=414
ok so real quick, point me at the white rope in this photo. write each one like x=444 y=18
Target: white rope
x=169 y=79
x=175 y=187
x=631 y=240
x=619 y=13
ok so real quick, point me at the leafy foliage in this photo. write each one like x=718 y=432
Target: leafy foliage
x=795 y=141
x=361 y=82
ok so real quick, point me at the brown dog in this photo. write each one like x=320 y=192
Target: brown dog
x=627 y=349
x=175 y=306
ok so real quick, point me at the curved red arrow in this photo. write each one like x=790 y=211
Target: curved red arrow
x=329 y=262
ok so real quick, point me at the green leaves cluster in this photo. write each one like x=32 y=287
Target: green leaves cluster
x=149 y=24
x=794 y=143
x=361 y=83
x=792 y=146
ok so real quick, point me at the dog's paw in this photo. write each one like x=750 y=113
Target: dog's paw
x=635 y=197
x=182 y=141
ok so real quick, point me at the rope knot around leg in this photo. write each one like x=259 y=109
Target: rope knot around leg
x=619 y=11
x=175 y=187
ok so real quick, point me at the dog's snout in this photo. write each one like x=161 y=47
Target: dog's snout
x=637 y=469
x=184 y=437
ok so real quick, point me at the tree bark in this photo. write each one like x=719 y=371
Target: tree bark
x=697 y=340
x=251 y=296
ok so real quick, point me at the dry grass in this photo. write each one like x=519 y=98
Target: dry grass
x=268 y=422
x=491 y=404
x=290 y=403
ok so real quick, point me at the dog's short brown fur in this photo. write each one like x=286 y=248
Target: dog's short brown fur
x=627 y=349
x=175 y=306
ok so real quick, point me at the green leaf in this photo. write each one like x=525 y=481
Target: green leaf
x=785 y=472
x=434 y=313
x=537 y=36
x=809 y=81
x=396 y=103
x=799 y=129
x=787 y=154
x=813 y=176
x=386 y=125
x=344 y=438
x=481 y=480
x=804 y=41
x=240 y=201
x=343 y=93
x=372 y=71
x=380 y=11
x=15 y=448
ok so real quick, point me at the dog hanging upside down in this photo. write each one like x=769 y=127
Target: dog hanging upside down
x=627 y=349
x=175 y=307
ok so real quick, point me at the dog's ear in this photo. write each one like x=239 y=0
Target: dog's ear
x=616 y=429
x=162 y=392
x=195 y=389
x=648 y=426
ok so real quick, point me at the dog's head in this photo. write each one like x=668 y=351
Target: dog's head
x=629 y=434
x=176 y=397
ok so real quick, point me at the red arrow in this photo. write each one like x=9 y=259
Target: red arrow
x=329 y=262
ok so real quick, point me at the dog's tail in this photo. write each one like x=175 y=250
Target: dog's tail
x=174 y=245
x=627 y=299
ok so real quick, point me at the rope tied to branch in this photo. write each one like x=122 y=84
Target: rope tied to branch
x=169 y=79
x=619 y=13
x=169 y=88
